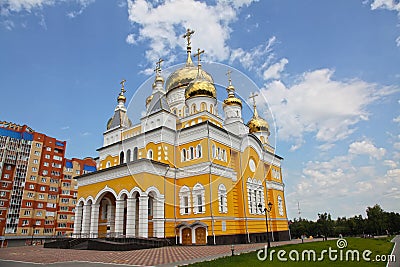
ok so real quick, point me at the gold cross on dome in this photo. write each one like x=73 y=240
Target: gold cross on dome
x=253 y=96
x=187 y=35
x=228 y=73
x=199 y=52
x=158 y=66
x=122 y=83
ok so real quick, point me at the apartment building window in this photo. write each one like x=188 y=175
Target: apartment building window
x=54 y=181
x=30 y=195
x=48 y=230
x=53 y=189
x=57 y=157
x=45 y=172
x=67 y=177
x=42 y=188
x=63 y=217
x=38 y=222
x=65 y=192
x=34 y=169
x=29 y=204
x=65 y=200
x=47 y=156
x=51 y=205
x=41 y=196
x=40 y=205
x=39 y=213
x=43 y=180
x=27 y=212
x=37 y=153
x=48 y=222
x=4 y=184
x=46 y=164
x=33 y=178
x=1 y=203
x=8 y=167
x=36 y=232
x=48 y=148
x=64 y=208
x=78 y=172
x=2 y=193
x=62 y=225
x=38 y=145
x=74 y=202
x=65 y=184
x=25 y=222
x=24 y=231
x=52 y=196
x=35 y=161
x=32 y=187
x=6 y=176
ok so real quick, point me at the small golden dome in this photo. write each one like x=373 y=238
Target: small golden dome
x=200 y=87
x=232 y=101
x=257 y=124
x=121 y=97
x=148 y=99
x=184 y=76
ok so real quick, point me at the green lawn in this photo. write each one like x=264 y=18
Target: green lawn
x=376 y=246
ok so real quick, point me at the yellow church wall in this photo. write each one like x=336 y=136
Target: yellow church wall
x=114 y=160
x=204 y=150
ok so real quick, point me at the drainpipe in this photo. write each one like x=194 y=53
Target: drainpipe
x=209 y=181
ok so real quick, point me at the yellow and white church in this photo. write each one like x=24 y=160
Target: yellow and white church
x=184 y=172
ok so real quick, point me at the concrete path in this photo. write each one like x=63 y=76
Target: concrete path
x=165 y=256
x=395 y=252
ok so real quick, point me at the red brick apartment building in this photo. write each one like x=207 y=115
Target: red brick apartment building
x=37 y=186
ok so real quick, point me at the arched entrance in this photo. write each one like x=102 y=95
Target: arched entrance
x=201 y=236
x=186 y=236
x=107 y=215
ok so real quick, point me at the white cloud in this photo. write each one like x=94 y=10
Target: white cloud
x=397 y=119
x=366 y=147
x=161 y=24
x=130 y=39
x=390 y=163
x=321 y=105
x=274 y=71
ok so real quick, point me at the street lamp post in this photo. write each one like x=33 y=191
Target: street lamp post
x=266 y=210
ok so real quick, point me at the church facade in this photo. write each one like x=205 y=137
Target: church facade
x=184 y=172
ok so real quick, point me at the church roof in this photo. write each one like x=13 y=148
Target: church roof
x=157 y=103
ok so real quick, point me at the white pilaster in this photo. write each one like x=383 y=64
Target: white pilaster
x=119 y=217
x=130 y=216
x=94 y=221
x=111 y=218
x=143 y=216
x=78 y=220
x=158 y=217
x=86 y=219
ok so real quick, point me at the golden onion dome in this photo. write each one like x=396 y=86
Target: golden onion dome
x=233 y=101
x=184 y=76
x=201 y=87
x=257 y=124
x=121 y=97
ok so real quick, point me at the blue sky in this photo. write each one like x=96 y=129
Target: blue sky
x=329 y=71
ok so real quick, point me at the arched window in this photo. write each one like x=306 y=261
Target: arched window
x=150 y=203
x=199 y=199
x=108 y=164
x=128 y=155
x=184 y=196
x=211 y=109
x=222 y=201
x=183 y=156
x=193 y=108
x=219 y=153
x=198 y=151
x=203 y=106
x=191 y=155
x=174 y=111
x=255 y=195
x=121 y=157
x=213 y=151
x=280 y=206
x=150 y=154
x=135 y=153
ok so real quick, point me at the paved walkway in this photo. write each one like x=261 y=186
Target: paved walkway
x=395 y=252
x=165 y=256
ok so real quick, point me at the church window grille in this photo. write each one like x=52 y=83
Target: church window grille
x=184 y=196
x=199 y=199
x=222 y=197
x=280 y=206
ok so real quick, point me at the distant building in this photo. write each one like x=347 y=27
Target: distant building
x=37 y=189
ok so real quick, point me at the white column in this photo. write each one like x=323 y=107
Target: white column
x=111 y=218
x=119 y=217
x=94 y=221
x=143 y=216
x=130 y=216
x=158 y=217
x=78 y=220
x=86 y=220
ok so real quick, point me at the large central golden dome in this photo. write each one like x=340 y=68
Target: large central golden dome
x=184 y=76
x=200 y=87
